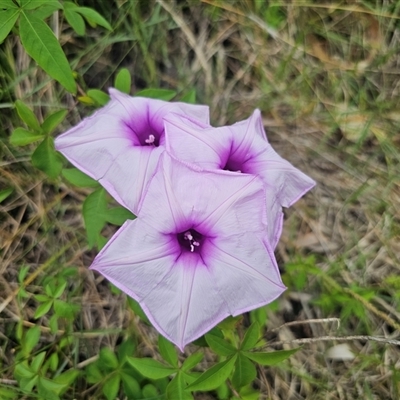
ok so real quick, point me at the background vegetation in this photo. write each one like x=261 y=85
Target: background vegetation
x=325 y=75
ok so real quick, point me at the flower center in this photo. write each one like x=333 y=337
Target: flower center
x=144 y=134
x=150 y=140
x=190 y=240
x=233 y=165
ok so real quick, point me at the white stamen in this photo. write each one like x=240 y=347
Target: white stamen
x=196 y=244
x=191 y=248
x=188 y=236
x=150 y=140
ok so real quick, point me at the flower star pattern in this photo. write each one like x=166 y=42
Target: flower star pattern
x=119 y=145
x=240 y=148
x=197 y=252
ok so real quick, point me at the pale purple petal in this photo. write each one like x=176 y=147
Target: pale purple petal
x=245 y=271
x=120 y=143
x=242 y=147
x=196 y=143
x=215 y=202
x=195 y=246
x=136 y=258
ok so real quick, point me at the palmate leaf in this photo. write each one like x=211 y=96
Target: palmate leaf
x=94 y=207
x=8 y=17
x=215 y=376
x=27 y=115
x=111 y=387
x=53 y=120
x=168 y=351
x=160 y=94
x=150 y=368
x=251 y=337
x=41 y=44
x=245 y=372
x=176 y=389
x=22 y=137
x=93 y=17
x=78 y=178
x=123 y=81
x=192 y=361
x=76 y=21
x=47 y=159
x=220 y=346
x=98 y=96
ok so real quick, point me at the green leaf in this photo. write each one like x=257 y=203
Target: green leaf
x=93 y=17
x=32 y=4
x=78 y=178
x=51 y=388
x=27 y=115
x=23 y=371
x=150 y=368
x=48 y=9
x=135 y=307
x=160 y=94
x=53 y=362
x=220 y=346
x=93 y=373
x=98 y=96
x=94 y=207
x=32 y=337
x=38 y=361
x=108 y=358
x=149 y=391
x=189 y=97
x=41 y=44
x=22 y=137
x=214 y=377
x=8 y=393
x=66 y=379
x=41 y=297
x=53 y=120
x=259 y=315
x=192 y=361
x=123 y=81
x=270 y=358
x=64 y=309
x=76 y=21
x=43 y=309
x=47 y=159
x=118 y=215
x=251 y=337
x=167 y=351
x=53 y=323
x=7 y=21
x=51 y=385
x=6 y=4
x=5 y=193
x=111 y=387
x=28 y=383
x=126 y=349
x=131 y=386
x=176 y=389
x=59 y=290
x=245 y=372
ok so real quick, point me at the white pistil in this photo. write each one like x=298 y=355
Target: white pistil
x=151 y=139
x=188 y=236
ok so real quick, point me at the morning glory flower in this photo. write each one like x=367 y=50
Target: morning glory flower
x=197 y=252
x=240 y=148
x=119 y=145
